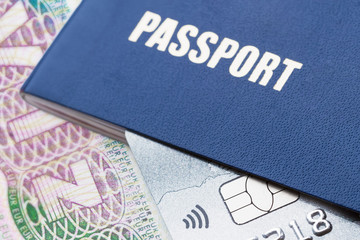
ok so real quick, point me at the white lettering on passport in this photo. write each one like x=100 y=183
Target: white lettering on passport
x=244 y=58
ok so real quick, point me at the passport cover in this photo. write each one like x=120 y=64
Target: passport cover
x=268 y=87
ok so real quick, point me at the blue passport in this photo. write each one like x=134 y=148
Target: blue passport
x=268 y=87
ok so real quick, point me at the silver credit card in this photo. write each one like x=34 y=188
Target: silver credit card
x=202 y=200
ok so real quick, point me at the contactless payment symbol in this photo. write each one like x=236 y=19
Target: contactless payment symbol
x=197 y=217
x=248 y=198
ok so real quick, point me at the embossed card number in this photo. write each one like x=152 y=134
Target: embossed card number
x=316 y=218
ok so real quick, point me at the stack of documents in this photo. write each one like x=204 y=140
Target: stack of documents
x=260 y=87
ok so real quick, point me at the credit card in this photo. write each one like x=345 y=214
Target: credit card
x=202 y=200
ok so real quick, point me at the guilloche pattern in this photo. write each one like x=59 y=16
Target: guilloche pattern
x=62 y=181
x=31 y=137
x=58 y=197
